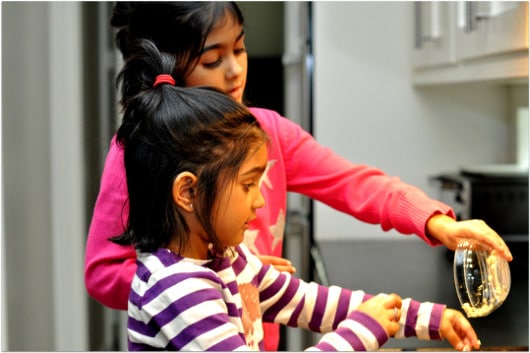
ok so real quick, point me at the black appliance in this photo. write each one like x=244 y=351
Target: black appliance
x=497 y=194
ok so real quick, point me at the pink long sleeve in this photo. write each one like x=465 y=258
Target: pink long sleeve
x=363 y=192
x=109 y=268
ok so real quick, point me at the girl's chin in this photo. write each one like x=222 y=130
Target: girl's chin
x=237 y=95
x=239 y=239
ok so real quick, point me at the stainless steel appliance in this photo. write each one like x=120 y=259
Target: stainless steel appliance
x=497 y=194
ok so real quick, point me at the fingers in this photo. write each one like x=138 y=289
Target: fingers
x=290 y=269
x=393 y=301
x=451 y=232
x=396 y=316
x=462 y=343
x=480 y=232
x=273 y=260
x=280 y=264
x=381 y=308
x=454 y=339
x=458 y=331
x=484 y=234
x=393 y=304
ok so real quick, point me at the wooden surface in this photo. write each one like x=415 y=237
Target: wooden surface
x=413 y=269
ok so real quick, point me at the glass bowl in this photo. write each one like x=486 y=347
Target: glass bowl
x=482 y=279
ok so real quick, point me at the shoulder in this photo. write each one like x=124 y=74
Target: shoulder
x=277 y=125
x=263 y=112
x=115 y=149
x=267 y=117
x=114 y=160
x=246 y=265
x=158 y=286
x=113 y=179
x=246 y=255
x=165 y=269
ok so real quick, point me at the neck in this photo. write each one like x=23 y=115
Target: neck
x=196 y=248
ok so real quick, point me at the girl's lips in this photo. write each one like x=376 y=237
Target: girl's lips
x=236 y=93
x=247 y=223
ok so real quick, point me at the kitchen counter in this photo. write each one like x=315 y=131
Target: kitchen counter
x=411 y=268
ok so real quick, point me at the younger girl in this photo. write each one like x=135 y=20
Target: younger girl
x=194 y=159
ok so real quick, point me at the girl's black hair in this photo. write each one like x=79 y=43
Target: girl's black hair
x=179 y=28
x=167 y=130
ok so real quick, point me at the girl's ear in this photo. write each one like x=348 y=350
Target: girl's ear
x=184 y=190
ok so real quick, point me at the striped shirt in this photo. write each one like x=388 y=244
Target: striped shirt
x=179 y=303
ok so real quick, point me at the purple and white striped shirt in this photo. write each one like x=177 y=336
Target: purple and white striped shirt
x=180 y=303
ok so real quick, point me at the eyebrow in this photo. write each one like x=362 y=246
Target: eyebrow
x=217 y=45
x=257 y=170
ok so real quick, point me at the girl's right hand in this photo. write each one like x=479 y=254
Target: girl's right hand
x=381 y=308
x=280 y=264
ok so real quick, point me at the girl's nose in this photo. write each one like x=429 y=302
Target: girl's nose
x=235 y=68
x=259 y=201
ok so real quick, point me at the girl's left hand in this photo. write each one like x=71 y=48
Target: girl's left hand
x=450 y=232
x=280 y=264
x=457 y=330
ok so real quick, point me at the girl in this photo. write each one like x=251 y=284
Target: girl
x=194 y=159
x=207 y=40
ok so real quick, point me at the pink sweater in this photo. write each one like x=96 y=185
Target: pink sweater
x=297 y=163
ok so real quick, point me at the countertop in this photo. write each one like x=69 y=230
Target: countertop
x=411 y=268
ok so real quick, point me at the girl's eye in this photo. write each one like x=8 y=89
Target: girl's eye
x=240 y=51
x=248 y=186
x=213 y=64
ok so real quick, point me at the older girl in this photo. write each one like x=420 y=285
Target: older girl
x=207 y=40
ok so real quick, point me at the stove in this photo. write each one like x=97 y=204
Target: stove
x=496 y=194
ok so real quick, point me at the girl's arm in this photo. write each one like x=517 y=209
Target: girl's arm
x=429 y=321
x=361 y=191
x=109 y=268
x=356 y=320
x=367 y=193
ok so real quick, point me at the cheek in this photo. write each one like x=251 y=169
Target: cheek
x=244 y=62
x=244 y=65
x=201 y=77
x=229 y=230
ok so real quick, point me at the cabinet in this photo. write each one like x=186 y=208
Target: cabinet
x=489 y=28
x=469 y=41
x=434 y=34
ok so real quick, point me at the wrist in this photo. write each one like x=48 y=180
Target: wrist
x=436 y=224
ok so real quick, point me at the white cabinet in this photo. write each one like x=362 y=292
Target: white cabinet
x=469 y=41
x=490 y=27
x=433 y=34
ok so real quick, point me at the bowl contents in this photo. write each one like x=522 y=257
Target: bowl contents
x=482 y=279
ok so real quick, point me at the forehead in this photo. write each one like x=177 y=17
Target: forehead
x=256 y=159
x=228 y=30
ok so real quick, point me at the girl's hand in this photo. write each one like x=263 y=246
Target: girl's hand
x=385 y=309
x=280 y=264
x=450 y=232
x=458 y=331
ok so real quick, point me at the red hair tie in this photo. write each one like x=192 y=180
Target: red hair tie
x=164 y=78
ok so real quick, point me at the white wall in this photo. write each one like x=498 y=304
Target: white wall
x=366 y=109
x=44 y=229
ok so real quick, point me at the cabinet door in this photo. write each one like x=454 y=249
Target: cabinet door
x=490 y=27
x=433 y=32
